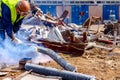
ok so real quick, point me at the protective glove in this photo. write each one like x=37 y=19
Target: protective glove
x=17 y=41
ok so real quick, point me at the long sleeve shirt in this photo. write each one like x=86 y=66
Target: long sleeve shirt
x=7 y=23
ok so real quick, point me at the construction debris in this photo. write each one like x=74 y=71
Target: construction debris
x=53 y=33
x=3 y=73
x=57 y=58
x=23 y=61
x=8 y=78
x=22 y=75
x=39 y=77
x=76 y=48
x=94 y=45
x=104 y=41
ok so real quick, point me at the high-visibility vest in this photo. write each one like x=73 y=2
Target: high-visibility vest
x=12 y=6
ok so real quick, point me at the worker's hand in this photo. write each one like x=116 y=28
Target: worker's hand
x=17 y=41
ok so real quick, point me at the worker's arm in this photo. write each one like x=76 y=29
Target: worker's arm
x=6 y=20
x=17 y=26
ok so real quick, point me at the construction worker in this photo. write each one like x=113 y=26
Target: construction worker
x=12 y=13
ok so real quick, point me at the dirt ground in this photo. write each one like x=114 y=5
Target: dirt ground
x=102 y=64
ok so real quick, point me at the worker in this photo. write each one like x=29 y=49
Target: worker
x=12 y=13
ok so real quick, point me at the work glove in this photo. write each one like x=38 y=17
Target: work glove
x=17 y=41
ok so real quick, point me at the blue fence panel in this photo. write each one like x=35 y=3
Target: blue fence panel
x=110 y=9
x=49 y=9
x=79 y=14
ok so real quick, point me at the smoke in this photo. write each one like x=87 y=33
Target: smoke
x=12 y=53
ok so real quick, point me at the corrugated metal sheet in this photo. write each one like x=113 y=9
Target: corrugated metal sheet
x=49 y=9
x=79 y=14
x=110 y=9
x=60 y=9
x=95 y=11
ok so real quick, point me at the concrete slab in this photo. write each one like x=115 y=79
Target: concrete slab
x=34 y=77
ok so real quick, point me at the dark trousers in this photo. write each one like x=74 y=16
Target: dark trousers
x=2 y=35
x=2 y=31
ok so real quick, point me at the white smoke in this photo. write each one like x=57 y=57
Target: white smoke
x=11 y=53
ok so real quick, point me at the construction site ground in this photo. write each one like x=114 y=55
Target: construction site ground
x=102 y=64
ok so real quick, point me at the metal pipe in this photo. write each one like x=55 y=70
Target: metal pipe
x=66 y=75
x=57 y=58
